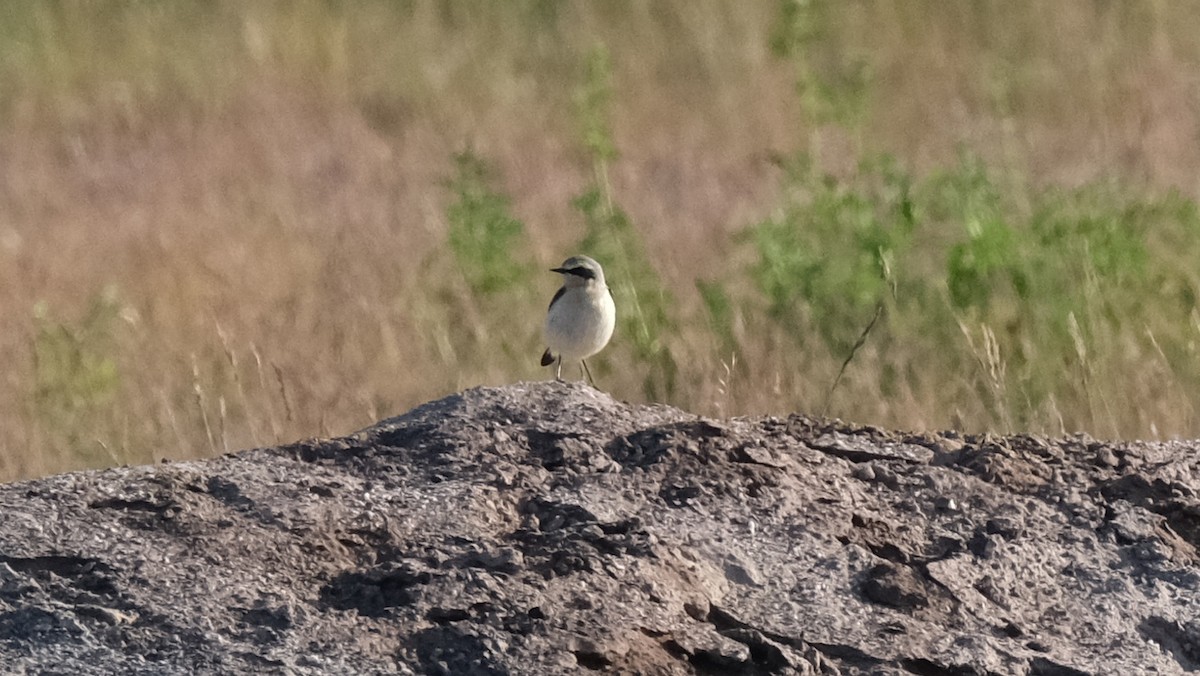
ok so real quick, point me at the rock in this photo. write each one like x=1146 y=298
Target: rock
x=739 y=571
x=895 y=586
x=865 y=472
x=546 y=528
x=704 y=645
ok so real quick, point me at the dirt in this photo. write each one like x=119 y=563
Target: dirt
x=546 y=528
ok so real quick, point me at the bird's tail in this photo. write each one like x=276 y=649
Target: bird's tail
x=547 y=358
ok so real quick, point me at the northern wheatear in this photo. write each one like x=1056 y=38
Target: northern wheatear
x=581 y=317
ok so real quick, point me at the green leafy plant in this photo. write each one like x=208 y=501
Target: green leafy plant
x=475 y=324
x=719 y=308
x=643 y=304
x=483 y=235
x=833 y=86
x=824 y=258
x=76 y=379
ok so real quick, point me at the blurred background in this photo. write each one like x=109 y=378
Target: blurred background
x=228 y=224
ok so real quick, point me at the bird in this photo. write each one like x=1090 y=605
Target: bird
x=581 y=317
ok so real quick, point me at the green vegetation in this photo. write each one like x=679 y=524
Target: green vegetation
x=823 y=260
x=75 y=379
x=643 y=305
x=321 y=213
x=488 y=245
x=1021 y=299
x=485 y=238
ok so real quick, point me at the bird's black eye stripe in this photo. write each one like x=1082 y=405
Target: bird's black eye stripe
x=582 y=272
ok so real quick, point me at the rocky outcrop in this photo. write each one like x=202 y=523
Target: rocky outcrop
x=547 y=528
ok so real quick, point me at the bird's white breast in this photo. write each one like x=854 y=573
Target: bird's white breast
x=580 y=322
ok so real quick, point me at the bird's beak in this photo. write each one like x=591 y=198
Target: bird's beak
x=561 y=271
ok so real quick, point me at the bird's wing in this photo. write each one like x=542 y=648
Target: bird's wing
x=547 y=358
x=558 y=295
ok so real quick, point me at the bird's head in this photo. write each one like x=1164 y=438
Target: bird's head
x=580 y=271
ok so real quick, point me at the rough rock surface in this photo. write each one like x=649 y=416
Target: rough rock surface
x=547 y=528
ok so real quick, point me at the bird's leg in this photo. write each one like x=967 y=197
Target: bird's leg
x=558 y=370
x=588 y=372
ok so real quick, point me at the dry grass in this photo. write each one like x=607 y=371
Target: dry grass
x=262 y=188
